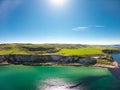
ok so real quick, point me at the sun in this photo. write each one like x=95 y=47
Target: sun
x=58 y=2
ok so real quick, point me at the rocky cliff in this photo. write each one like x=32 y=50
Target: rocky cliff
x=42 y=59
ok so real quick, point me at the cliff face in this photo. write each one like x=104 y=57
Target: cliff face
x=111 y=51
x=55 y=59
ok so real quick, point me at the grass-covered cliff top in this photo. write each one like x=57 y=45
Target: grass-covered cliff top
x=68 y=49
x=82 y=51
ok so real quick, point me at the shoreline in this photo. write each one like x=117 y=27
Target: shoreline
x=75 y=64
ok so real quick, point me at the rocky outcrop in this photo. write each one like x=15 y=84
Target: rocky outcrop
x=87 y=61
x=2 y=58
x=43 y=59
x=111 y=51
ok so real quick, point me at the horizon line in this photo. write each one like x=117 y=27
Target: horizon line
x=56 y=43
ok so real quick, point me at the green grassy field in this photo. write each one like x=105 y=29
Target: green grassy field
x=84 y=51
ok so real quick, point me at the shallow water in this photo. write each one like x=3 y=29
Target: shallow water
x=18 y=77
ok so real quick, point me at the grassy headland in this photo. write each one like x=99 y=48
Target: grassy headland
x=86 y=53
x=69 y=49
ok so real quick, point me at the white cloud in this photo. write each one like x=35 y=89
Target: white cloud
x=99 y=26
x=6 y=6
x=83 y=28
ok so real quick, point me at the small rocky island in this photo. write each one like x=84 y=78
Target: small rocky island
x=29 y=55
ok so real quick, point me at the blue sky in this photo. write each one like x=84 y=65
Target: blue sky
x=66 y=21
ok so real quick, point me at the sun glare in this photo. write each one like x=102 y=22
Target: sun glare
x=58 y=2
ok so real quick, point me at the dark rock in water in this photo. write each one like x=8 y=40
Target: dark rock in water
x=115 y=72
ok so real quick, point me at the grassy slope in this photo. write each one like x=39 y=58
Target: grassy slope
x=11 y=49
x=23 y=48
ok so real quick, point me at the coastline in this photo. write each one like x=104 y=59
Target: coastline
x=115 y=65
x=74 y=64
x=60 y=60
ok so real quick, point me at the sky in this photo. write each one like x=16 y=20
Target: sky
x=60 y=21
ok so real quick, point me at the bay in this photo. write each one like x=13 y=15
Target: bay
x=19 y=77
